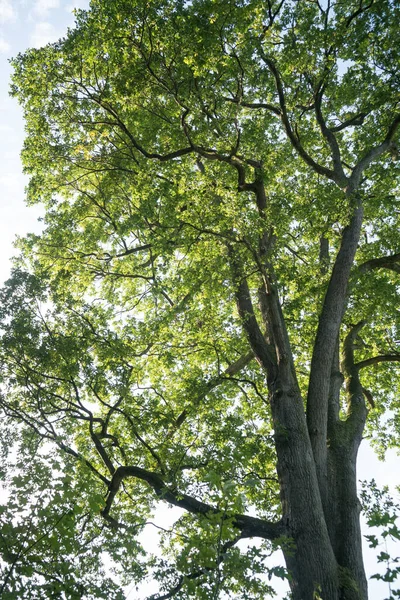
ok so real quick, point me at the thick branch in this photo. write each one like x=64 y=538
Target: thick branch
x=374 y=360
x=100 y=449
x=336 y=382
x=330 y=138
x=293 y=137
x=348 y=349
x=357 y=411
x=326 y=340
x=263 y=352
x=391 y=262
x=238 y=365
x=361 y=9
x=374 y=153
x=249 y=526
x=352 y=122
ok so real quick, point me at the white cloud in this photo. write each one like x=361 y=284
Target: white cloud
x=43 y=33
x=7 y=13
x=42 y=7
x=4 y=46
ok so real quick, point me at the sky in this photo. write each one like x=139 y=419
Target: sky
x=23 y=24
x=27 y=23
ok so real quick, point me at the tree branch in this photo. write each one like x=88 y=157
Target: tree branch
x=293 y=137
x=326 y=339
x=263 y=352
x=374 y=360
x=357 y=410
x=196 y=574
x=361 y=9
x=255 y=105
x=35 y=425
x=233 y=369
x=348 y=349
x=373 y=154
x=119 y=123
x=352 y=122
x=391 y=262
x=330 y=138
x=249 y=526
x=336 y=382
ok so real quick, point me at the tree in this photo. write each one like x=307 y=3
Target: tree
x=209 y=317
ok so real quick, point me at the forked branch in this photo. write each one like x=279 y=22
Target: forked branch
x=291 y=133
x=374 y=153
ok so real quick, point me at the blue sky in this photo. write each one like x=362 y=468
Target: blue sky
x=27 y=23
x=23 y=24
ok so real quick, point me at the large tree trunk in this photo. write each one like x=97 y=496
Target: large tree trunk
x=326 y=559
x=345 y=521
x=316 y=451
x=311 y=561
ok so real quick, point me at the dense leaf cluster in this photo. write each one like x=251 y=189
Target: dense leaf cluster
x=195 y=160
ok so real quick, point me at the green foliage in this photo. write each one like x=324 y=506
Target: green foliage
x=121 y=341
x=382 y=512
x=49 y=544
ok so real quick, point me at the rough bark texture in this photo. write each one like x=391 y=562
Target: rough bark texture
x=316 y=451
x=324 y=347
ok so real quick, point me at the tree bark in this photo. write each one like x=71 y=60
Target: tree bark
x=311 y=562
x=325 y=344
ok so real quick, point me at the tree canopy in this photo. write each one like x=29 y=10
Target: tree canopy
x=210 y=318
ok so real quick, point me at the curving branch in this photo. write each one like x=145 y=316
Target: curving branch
x=374 y=360
x=352 y=122
x=330 y=137
x=236 y=161
x=248 y=526
x=293 y=135
x=254 y=105
x=374 y=153
x=392 y=262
